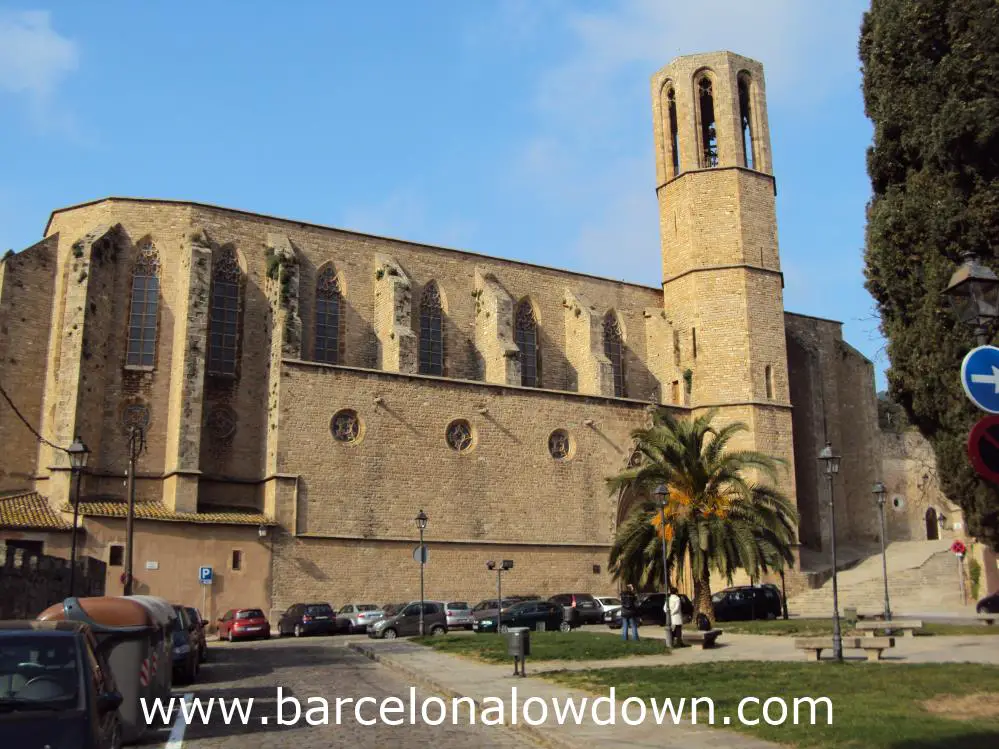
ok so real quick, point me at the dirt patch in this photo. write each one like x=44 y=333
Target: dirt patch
x=965 y=707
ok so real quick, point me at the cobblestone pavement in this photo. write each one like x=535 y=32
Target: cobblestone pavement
x=313 y=667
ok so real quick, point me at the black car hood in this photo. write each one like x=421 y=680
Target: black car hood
x=45 y=729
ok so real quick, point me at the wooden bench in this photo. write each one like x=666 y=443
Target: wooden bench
x=872 y=646
x=706 y=639
x=907 y=627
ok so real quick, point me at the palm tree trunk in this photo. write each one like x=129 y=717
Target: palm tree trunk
x=702 y=596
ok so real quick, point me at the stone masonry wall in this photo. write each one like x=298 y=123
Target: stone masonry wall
x=30 y=583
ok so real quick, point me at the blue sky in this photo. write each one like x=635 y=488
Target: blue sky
x=516 y=128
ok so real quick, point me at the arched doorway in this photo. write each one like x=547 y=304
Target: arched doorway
x=932 y=526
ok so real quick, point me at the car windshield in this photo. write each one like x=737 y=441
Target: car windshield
x=38 y=673
x=193 y=615
x=457 y=605
x=250 y=614
x=321 y=609
x=485 y=605
x=367 y=607
x=522 y=606
x=610 y=601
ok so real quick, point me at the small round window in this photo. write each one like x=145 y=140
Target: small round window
x=898 y=503
x=560 y=444
x=345 y=426
x=459 y=435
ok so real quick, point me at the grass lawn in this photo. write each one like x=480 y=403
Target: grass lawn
x=875 y=706
x=818 y=627
x=547 y=646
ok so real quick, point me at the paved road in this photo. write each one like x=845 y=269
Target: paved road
x=311 y=667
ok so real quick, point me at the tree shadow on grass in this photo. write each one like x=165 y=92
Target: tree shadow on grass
x=973 y=740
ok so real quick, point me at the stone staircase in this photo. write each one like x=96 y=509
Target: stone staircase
x=922 y=579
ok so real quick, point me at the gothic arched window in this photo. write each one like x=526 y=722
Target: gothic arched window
x=144 y=309
x=526 y=330
x=614 y=351
x=672 y=133
x=223 y=323
x=329 y=317
x=746 y=120
x=432 y=331
x=709 y=138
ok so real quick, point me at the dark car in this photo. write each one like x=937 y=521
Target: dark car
x=487 y=608
x=198 y=625
x=407 y=622
x=56 y=688
x=244 y=624
x=185 y=648
x=586 y=606
x=531 y=614
x=988 y=605
x=747 y=602
x=303 y=619
x=650 y=611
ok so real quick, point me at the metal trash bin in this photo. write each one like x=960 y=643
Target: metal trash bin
x=132 y=638
x=518 y=644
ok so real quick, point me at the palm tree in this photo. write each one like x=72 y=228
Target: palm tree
x=718 y=516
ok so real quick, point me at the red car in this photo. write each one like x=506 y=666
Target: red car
x=244 y=624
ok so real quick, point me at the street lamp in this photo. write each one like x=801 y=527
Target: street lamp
x=78 y=455
x=421 y=523
x=879 y=492
x=662 y=493
x=831 y=461
x=974 y=295
x=506 y=564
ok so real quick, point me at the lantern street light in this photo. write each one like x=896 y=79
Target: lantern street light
x=78 y=455
x=421 y=523
x=831 y=461
x=879 y=492
x=974 y=295
x=662 y=493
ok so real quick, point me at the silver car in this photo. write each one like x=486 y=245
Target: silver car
x=608 y=606
x=358 y=616
x=459 y=615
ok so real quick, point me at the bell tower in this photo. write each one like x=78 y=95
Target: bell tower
x=722 y=282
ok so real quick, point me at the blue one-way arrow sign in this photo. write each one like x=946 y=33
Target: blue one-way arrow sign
x=980 y=377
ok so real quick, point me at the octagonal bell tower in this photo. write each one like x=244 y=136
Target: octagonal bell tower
x=722 y=282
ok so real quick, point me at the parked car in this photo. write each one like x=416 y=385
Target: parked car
x=198 y=625
x=355 y=617
x=56 y=688
x=459 y=615
x=185 y=648
x=407 y=622
x=244 y=624
x=303 y=619
x=607 y=604
x=489 y=607
x=988 y=605
x=586 y=606
x=746 y=602
x=650 y=611
x=531 y=614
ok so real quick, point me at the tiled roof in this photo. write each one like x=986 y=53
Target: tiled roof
x=159 y=511
x=30 y=510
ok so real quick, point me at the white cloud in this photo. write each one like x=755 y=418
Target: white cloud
x=591 y=103
x=34 y=59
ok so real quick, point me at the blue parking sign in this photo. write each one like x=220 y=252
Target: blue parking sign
x=205 y=575
x=980 y=377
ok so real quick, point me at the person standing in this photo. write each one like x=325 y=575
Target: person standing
x=676 y=617
x=629 y=612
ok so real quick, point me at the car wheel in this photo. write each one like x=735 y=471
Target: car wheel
x=298 y=630
x=565 y=627
x=437 y=631
x=390 y=634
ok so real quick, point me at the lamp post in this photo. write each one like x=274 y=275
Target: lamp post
x=974 y=295
x=78 y=455
x=506 y=564
x=661 y=493
x=831 y=461
x=879 y=492
x=136 y=444
x=421 y=523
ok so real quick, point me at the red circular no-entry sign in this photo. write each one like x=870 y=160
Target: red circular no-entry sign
x=983 y=448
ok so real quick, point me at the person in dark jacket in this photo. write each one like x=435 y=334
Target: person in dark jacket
x=629 y=612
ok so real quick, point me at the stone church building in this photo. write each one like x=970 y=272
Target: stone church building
x=304 y=391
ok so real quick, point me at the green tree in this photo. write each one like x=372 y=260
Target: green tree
x=718 y=516
x=931 y=88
